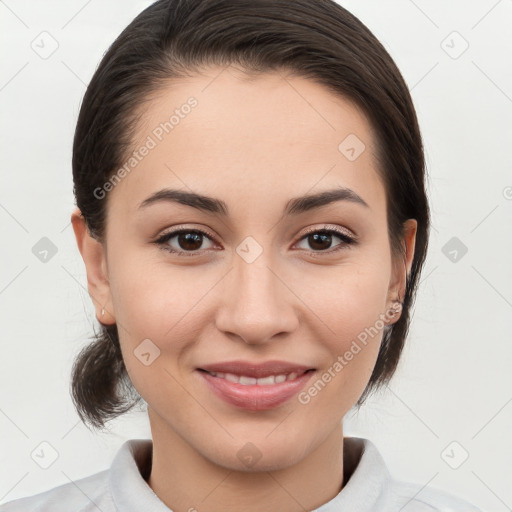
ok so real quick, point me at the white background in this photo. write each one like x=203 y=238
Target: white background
x=454 y=382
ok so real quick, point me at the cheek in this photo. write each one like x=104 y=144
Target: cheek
x=167 y=307
x=350 y=307
x=154 y=311
x=348 y=299
x=339 y=384
x=152 y=300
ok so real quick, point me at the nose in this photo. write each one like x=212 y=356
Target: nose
x=257 y=304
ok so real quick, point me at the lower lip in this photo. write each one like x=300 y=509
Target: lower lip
x=255 y=397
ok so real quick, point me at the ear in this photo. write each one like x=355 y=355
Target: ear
x=402 y=269
x=94 y=255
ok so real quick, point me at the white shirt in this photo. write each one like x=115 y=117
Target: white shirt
x=123 y=487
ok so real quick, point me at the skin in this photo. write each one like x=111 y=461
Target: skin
x=255 y=144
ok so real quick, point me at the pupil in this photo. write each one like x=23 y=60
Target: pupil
x=320 y=237
x=187 y=241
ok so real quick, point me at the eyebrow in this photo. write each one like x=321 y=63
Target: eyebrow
x=294 y=206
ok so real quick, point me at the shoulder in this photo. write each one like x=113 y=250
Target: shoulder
x=371 y=486
x=83 y=495
x=409 y=497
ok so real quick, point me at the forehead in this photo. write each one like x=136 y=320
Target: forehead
x=249 y=139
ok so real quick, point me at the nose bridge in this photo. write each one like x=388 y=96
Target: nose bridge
x=256 y=305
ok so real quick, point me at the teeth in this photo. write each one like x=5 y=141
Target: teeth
x=248 y=381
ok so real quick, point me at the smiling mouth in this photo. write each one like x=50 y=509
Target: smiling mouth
x=257 y=393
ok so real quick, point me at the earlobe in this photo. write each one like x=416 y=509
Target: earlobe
x=94 y=255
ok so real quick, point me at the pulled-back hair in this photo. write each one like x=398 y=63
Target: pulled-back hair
x=315 y=39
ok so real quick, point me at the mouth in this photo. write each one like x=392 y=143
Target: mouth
x=255 y=393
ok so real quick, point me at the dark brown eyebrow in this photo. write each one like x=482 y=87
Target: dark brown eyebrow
x=218 y=207
x=309 y=202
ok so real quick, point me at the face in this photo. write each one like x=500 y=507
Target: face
x=253 y=275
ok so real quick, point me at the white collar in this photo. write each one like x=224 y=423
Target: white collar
x=366 y=490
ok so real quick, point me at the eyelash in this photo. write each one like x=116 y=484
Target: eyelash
x=347 y=240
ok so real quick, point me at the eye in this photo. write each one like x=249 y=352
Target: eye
x=188 y=241
x=320 y=240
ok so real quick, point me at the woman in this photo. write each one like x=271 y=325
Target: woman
x=251 y=211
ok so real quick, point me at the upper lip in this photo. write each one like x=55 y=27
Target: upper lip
x=256 y=370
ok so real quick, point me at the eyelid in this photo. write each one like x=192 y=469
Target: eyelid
x=331 y=227
x=175 y=230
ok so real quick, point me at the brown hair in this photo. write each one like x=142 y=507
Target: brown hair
x=315 y=39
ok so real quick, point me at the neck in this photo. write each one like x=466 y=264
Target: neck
x=185 y=480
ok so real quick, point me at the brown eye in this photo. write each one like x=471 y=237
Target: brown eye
x=321 y=240
x=190 y=241
x=186 y=241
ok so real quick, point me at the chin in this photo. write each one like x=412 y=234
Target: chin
x=259 y=455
